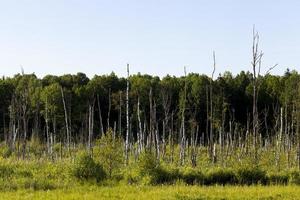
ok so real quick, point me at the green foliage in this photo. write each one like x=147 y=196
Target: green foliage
x=153 y=173
x=221 y=177
x=6 y=171
x=295 y=177
x=278 y=179
x=109 y=151
x=192 y=176
x=161 y=175
x=131 y=175
x=36 y=147
x=85 y=168
x=147 y=163
x=250 y=176
x=5 y=151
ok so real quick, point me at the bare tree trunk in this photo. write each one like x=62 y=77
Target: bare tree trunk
x=256 y=63
x=151 y=123
x=109 y=108
x=172 y=137
x=298 y=136
x=24 y=110
x=66 y=118
x=120 y=114
x=114 y=132
x=183 y=137
x=166 y=101
x=47 y=127
x=100 y=116
x=211 y=111
x=157 y=143
x=278 y=141
x=12 y=125
x=53 y=136
x=256 y=67
x=207 y=116
x=139 y=134
x=91 y=126
x=127 y=118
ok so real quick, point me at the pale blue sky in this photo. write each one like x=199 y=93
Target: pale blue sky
x=155 y=37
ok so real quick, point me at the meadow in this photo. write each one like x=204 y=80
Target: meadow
x=179 y=192
x=81 y=174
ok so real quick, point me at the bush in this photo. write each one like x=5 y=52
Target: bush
x=250 y=176
x=161 y=176
x=278 y=179
x=153 y=173
x=295 y=177
x=86 y=168
x=130 y=177
x=147 y=164
x=109 y=151
x=221 y=177
x=192 y=176
x=36 y=147
x=39 y=184
x=6 y=171
x=5 y=152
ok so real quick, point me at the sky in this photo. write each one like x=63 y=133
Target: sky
x=157 y=37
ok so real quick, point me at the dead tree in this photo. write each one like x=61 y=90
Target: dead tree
x=100 y=116
x=256 y=67
x=211 y=139
x=13 y=128
x=24 y=110
x=183 y=137
x=139 y=134
x=166 y=103
x=120 y=113
x=298 y=133
x=66 y=118
x=109 y=108
x=127 y=118
x=49 y=141
x=91 y=126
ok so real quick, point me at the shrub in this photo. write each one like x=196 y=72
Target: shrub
x=278 y=179
x=161 y=176
x=131 y=177
x=153 y=173
x=249 y=176
x=109 y=151
x=192 y=176
x=147 y=164
x=39 y=184
x=86 y=168
x=26 y=173
x=36 y=147
x=295 y=177
x=6 y=171
x=5 y=152
x=221 y=177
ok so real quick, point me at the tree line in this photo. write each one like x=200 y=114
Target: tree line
x=188 y=110
x=172 y=115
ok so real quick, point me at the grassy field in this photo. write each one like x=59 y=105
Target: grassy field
x=82 y=176
x=160 y=192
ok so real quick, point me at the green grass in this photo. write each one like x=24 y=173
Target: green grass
x=77 y=176
x=160 y=192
